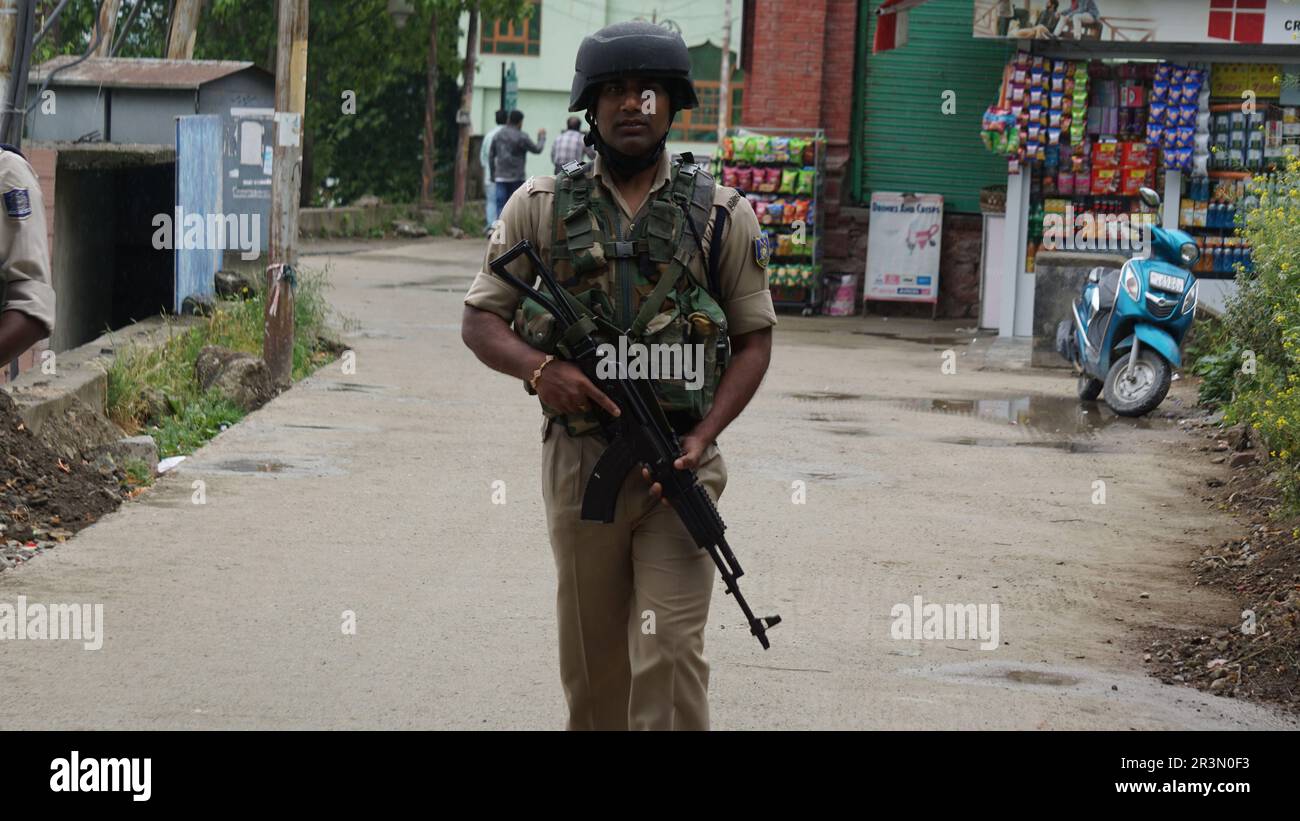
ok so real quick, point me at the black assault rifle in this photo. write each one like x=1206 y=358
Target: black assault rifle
x=639 y=435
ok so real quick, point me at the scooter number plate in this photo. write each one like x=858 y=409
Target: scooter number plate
x=1166 y=282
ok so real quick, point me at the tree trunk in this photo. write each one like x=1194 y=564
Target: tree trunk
x=106 y=22
x=466 y=102
x=430 y=109
x=183 y=30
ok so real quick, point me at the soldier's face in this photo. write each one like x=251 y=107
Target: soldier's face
x=632 y=114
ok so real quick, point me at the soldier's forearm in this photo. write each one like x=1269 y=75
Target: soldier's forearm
x=496 y=345
x=18 y=332
x=750 y=357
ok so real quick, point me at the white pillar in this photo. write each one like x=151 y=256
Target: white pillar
x=1013 y=249
x=1171 y=199
x=1025 y=282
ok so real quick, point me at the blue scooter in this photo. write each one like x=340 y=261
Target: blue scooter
x=1126 y=330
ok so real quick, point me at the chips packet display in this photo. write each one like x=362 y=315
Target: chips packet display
x=807 y=181
x=780 y=147
x=745 y=179
x=789 y=180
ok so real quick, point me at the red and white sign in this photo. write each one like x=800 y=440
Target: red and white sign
x=1245 y=22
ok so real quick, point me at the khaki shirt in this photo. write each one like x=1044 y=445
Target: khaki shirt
x=24 y=248
x=746 y=300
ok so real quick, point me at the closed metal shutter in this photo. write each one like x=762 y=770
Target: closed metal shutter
x=903 y=140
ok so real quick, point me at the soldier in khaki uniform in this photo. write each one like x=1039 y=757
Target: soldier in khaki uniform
x=26 y=298
x=607 y=229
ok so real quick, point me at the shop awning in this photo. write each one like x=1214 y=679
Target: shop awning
x=891 y=24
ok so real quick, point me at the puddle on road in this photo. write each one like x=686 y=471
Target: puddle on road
x=436 y=283
x=946 y=341
x=1041 y=677
x=1066 y=445
x=815 y=396
x=248 y=466
x=1046 y=414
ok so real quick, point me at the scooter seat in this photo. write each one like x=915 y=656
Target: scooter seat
x=1107 y=287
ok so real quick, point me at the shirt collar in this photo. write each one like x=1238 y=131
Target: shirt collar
x=663 y=173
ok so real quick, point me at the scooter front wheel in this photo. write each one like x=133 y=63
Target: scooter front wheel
x=1137 y=391
x=1089 y=388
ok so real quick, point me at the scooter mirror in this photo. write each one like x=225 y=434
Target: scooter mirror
x=1150 y=197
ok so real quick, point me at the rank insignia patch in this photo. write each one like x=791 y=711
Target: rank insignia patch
x=17 y=204
x=762 y=250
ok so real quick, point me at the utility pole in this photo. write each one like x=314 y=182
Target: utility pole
x=286 y=180
x=15 y=41
x=104 y=25
x=430 y=104
x=183 y=29
x=466 y=102
x=724 y=82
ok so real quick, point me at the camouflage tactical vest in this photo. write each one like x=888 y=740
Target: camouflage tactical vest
x=637 y=278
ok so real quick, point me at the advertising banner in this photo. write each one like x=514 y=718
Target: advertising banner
x=903 y=247
x=1247 y=22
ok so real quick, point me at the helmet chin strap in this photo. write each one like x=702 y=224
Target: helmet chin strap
x=625 y=165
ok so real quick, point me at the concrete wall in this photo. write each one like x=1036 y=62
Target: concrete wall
x=844 y=251
x=83 y=259
x=1058 y=281
x=77 y=111
x=147 y=116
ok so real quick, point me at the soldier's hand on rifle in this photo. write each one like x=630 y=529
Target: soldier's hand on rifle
x=566 y=388
x=693 y=448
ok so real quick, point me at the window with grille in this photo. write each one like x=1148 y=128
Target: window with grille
x=700 y=124
x=522 y=37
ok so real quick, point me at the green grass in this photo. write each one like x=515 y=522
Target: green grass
x=138 y=473
x=154 y=389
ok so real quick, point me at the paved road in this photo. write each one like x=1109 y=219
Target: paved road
x=371 y=492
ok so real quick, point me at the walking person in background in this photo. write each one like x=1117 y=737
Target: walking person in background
x=508 y=155
x=489 y=187
x=570 y=146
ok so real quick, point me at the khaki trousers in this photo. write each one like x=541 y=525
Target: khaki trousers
x=632 y=597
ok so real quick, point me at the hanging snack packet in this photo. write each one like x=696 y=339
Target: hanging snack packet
x=789 y=180
x=780 y=149
x=797 y=145
x=787 y=212
x=728 y=148
x=807 y=180
x=744 y=179
x=774 y=179
x=801 y=209
x=745 y=149
x=729 y=176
